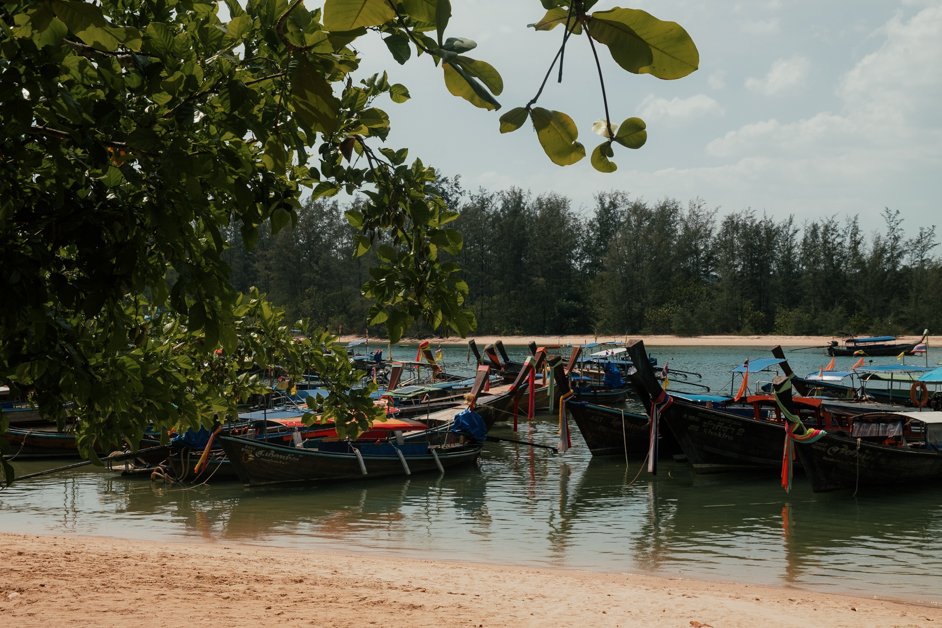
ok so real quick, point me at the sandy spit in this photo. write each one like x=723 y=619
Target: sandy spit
x=58 y=581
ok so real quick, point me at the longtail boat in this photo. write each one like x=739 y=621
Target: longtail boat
x=880 y=450
x=320 y=460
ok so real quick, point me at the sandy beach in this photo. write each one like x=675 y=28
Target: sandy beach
x=57 y=581
x=649 y=341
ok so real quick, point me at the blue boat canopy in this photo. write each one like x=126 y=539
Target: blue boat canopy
x=758 y=364
x=932 y=377
x=699 y=398
x=871 y=339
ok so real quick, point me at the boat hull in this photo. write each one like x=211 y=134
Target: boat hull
x=259 y=463
x=877 y=350
x=609 y=431
x=839 y=462
x=714 y=440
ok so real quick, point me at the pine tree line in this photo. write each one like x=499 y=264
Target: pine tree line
x=535 y=266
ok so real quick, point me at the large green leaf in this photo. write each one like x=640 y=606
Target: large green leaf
x=346 y=15
x=554 y=18
x=314 y=102
x=460 y=83
x=399 y=47
x=484 y=71
x=632 y=133
x=557 y=134
x=421 y=10
x=513 y=119
x=643 y=44
x=88 y=23
x=601 y=158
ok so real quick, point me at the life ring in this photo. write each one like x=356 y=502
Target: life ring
x=919 y=394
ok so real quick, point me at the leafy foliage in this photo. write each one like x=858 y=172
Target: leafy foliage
x=638 y=42
x=136 y=136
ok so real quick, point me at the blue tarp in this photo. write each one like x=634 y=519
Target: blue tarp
x=471 y=424
x=613 y=377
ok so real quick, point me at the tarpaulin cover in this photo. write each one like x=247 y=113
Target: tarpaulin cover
x=471 y=424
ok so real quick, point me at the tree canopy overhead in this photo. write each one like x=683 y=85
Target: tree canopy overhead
x=134 y=132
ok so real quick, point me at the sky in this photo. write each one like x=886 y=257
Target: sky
x=803 y=108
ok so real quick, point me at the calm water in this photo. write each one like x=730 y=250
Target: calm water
x=529 y=506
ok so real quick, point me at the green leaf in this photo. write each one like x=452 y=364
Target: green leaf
x=399 y=47
x=632 y=133
x=280 y=219
x=421 y=10
x=238 y=27
x=355 y=218
x=314 y=103
x=601 y=158
x=363 y=245
x=463 y=85
x=555 y=17
x=557 y=134
x=643 y=44
x=399 y=93
x=483 y=71
x=346 y=15
x=442 y=15
x=88 y=23
x=513 y=119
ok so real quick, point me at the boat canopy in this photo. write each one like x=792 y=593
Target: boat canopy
x=700 y=398
x=932 y=377
x=829 y=376
x=908 y=372
x=870 y=339
x=608 y=352
x=758 y=364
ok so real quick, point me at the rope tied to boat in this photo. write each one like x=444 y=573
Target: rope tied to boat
x=659 y=405
x=807 y=435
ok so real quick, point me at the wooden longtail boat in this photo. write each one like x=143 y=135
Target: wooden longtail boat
x=881 y=449
x=877 y=346
x=723 y=435
x=319 y=460
x=609 y=430
x=183 y=454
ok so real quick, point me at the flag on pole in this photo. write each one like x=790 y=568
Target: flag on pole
x=745 y=382
x=857 y=364
x=830 y=366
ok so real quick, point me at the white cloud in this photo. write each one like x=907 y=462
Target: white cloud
x=784 y=74
x=901 y=78
x=682 y=109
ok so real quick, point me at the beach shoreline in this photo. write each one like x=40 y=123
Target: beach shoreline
x=650 y=341
x=59 y=580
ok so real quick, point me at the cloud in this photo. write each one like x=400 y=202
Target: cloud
x=681 y=109
x=784 y=74
x=900 y=80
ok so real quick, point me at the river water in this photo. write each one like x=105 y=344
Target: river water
x=529 y=506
